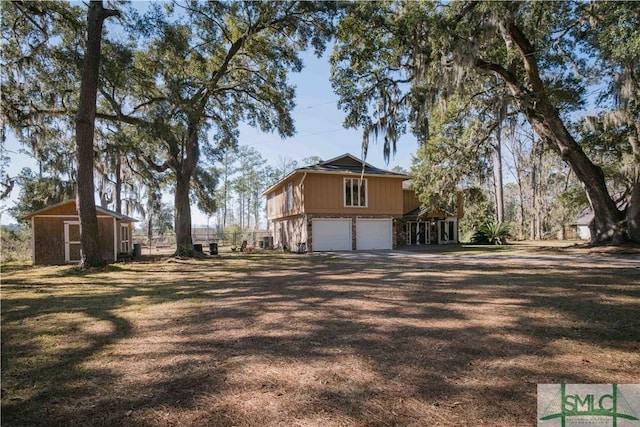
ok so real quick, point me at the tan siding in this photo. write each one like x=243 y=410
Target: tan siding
x=278 y=200
x=409 y=201
x=105 y=231
x=290 y=232
x=48 y=240
x=324 y=194
x=66 y=209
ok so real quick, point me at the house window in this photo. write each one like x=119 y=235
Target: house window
x=355 y=192
x=290 y=197
x=124 y=238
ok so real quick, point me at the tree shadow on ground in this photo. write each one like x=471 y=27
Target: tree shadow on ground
x=311 y=341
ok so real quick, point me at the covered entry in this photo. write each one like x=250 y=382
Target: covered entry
x=417 y=233
x=425 y=230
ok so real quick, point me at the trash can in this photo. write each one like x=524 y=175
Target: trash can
x=261 y=244
x=213 y=248
x=268 y=242
x=137 y=250
x=198 y=248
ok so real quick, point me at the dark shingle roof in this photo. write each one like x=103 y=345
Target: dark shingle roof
x=345 y=164
x=348 y=163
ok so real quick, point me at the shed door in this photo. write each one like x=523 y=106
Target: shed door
x=331 y=234
x=374 y=234
x=72 y=242
x=125 y=246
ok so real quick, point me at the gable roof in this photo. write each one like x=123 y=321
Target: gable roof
x=344 y=164
x=348 y=163
x=99 y=209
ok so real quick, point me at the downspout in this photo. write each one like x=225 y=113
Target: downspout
x=304 y=217
x=302 y=192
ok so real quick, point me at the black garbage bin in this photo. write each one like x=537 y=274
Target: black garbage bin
x=137 y=250
x=213 y=248
x=198 y=248
x=268 y=242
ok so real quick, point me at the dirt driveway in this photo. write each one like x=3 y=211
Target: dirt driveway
x=358 y=339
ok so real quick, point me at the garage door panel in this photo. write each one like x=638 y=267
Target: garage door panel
x=372 y=234
x=331 y=235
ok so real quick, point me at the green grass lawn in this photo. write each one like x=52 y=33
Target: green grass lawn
x=459 y=337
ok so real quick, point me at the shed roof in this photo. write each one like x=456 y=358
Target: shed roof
x=100 y=209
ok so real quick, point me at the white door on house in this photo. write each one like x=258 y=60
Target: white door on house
x=329 y=234
x=374 y=234
x=417 y=233
x=447 y=231
x=72 y=244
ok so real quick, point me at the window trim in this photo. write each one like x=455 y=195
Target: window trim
x=366 y=192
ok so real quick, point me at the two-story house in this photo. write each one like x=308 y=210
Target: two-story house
x=344 y=204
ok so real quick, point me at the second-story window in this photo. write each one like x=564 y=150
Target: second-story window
x=290 y=197
x=355 y=192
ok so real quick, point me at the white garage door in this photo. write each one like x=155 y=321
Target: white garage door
x=373 y=234
x=331 y=234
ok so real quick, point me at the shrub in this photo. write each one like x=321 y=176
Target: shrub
x=16 y=243
x=492 y=234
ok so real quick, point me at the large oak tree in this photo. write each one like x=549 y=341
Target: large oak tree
x=42 y=57
x=205 y=70
x=399 y=62
x=85 y=130
x=179 y=79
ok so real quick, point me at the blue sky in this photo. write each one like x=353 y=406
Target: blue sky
x=319 y=125
x=319 y=132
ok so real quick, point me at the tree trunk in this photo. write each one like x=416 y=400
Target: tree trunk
x=256 y=211
x=184 y=241
x=534 y=205
x=151 y=210
x=521 y=207
x=633 y=209
x=499 y=186
x=608 y=224
x=633 y=214
x=85 y=124
x=104 y=197
x=118 y=189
